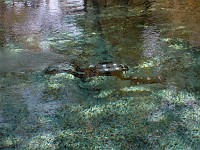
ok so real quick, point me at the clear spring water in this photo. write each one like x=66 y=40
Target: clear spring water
x=39 y=111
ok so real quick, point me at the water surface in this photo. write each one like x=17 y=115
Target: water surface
x=39 y=111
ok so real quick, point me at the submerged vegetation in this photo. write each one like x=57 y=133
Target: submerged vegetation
x=61 y=111
x=107 y=112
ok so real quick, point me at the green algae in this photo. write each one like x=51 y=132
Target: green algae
x=124 y=122
x=156 y=120
x=105 y=112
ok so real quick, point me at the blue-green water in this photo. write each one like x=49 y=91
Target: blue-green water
x=39 y=111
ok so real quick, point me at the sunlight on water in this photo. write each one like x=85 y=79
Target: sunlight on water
x=54 y=7
x=74 y=6
x=151 y=41
x=30 y=29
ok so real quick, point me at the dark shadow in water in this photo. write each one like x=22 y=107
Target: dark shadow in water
x=85 y=5
x=147 y=4
x=2 y=28
x=97 y=26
